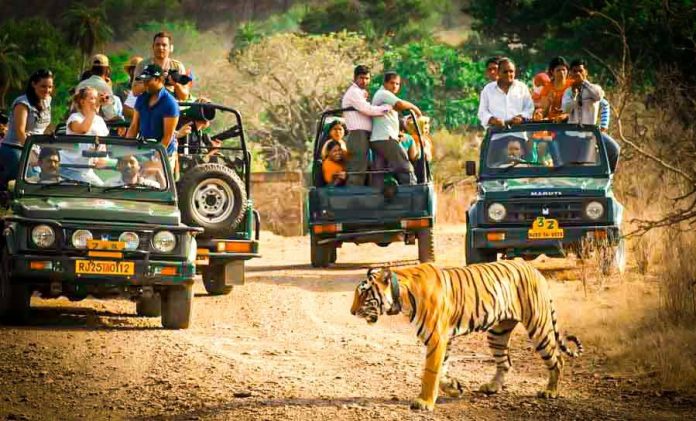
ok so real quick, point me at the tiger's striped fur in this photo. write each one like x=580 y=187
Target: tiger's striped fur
x=443 y=303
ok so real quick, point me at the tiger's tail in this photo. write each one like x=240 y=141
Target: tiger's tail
x=563 y=340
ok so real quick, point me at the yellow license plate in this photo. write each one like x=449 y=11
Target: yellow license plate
x=545 y=229
x=104 y=267
x=105 y=245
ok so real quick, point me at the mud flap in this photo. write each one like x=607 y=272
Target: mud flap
x=234 y=273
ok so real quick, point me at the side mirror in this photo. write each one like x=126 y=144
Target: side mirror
x=470 y=168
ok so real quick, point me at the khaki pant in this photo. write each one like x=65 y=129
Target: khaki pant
x=396 y=161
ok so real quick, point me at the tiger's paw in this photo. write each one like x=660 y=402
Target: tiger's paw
x=452 y=388
x=491 y=388
x=419 y=404
x=548 y=394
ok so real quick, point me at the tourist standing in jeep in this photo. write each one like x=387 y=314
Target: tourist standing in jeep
x=162 y=48
x=506 y=100
x=359 y=124
x=156 y=111
x=29 y=114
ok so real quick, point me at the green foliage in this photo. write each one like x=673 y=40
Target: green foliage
x=186 y=37
x=45 y=47
x=12 y=67
x=87 y=28
x=383 y=21
x=658 y=33
x=248 y=33
x=126 y=16
x=443 y=82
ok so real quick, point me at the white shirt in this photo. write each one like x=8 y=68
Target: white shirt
x=582 y=106
x=496 y=103
x=98 y=127
x=362 y=118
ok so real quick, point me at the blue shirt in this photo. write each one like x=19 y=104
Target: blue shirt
x=152 y=118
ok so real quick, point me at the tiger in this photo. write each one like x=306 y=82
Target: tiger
x=442 y=303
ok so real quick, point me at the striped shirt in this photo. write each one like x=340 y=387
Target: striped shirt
x=362 y=118
x=604 y=114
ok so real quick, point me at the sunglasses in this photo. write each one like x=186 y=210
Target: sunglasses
x=43 y=73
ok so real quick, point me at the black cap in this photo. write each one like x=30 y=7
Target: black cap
x=150 y=71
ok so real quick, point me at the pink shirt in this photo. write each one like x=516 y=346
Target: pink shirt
x=362 y=118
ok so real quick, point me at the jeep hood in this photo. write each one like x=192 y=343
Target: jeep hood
x=101 y=210
x=547 y=186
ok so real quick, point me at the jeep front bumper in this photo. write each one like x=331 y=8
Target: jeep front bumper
x=42 y=269
x=517 y=238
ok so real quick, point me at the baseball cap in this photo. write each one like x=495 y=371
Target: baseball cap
x=100 y=60
x=150 y=71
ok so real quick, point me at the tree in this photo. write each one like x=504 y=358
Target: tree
x=379 y=20
x=288 y=80
x=439 y=79
x=661 y=32
x=86 y=28
x=12 y=67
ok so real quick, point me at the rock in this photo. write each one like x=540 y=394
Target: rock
x=243 y=394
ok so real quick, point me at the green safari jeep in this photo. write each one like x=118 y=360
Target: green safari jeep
x=97 y=216
x=544 y=188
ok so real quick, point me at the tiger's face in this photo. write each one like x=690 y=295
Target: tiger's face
x=369 y=299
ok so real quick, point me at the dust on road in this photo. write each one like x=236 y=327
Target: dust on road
x=285 y=346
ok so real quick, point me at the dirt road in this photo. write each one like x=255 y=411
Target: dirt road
x=284 y=346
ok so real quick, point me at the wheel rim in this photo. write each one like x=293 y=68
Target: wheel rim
x=212 y=201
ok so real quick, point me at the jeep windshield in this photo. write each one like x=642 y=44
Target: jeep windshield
x=543 y=150
x=100 y=166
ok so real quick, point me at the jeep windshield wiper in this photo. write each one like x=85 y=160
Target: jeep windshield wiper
x=67 y=181
x=522 y=161
x=132 y=186
x=565 y=164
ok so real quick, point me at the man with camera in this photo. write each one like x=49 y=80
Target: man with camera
x=156 y=111
x=175 y=78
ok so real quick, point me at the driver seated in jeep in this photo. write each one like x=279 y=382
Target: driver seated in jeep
x=513 y=154
x=129 y=167
x=49 y=167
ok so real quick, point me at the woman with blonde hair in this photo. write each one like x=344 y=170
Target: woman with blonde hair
x=86 y=121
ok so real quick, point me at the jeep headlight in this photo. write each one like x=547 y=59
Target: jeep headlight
x=43 y=236
x=131 y=239
x=80 y=239
x=594 y=210
x=496 y=212
x=164 y=241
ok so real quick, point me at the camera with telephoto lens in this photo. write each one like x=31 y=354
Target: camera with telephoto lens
x=177 y=77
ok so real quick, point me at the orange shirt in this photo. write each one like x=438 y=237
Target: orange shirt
x=329 y=168
x=550 y=89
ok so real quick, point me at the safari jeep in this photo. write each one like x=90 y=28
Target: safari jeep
x=365 y=214
x=544 y=188
x=97 y=216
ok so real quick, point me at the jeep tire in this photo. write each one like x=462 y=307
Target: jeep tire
x=14 y=298
x=322 y=254
x=426 y=246
x=177 y=306
x=149 y=307
x=214 y=279
x=474 y=255
x=213 y=197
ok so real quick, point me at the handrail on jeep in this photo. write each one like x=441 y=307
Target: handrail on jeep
x=339 y=111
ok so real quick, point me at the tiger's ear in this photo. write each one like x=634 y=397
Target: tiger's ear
x=370 y=273
x=384 y=276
